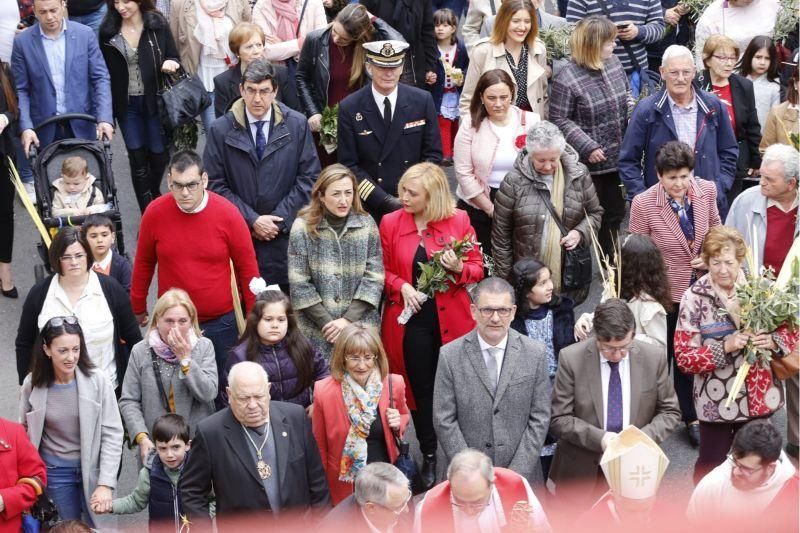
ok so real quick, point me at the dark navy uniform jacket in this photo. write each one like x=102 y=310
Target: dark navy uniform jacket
x=379 y=157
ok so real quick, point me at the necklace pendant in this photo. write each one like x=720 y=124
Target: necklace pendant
x=264 y=470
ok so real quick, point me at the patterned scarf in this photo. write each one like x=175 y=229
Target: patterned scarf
x=362 y=408
x=210 y=29
x=687 y=227
x=551 y=254
x=163 y=349
x=287 y=18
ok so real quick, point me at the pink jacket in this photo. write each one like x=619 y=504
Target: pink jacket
x=652 y=215
x=474 y=153
x=264 y=16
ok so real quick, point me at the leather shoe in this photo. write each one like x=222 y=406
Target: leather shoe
x=10 y=293
x=428 y=473
x=694 y=434
x=791 y=449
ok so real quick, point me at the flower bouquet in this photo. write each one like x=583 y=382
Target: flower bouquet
x=328 y=128
x=434 y=277
x=455 y=73
x=763 y=306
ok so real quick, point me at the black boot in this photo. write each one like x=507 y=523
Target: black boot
x=158 y=164
x=428 y=474
x=140 y=176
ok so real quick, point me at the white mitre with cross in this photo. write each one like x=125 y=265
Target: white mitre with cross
x=634 y=464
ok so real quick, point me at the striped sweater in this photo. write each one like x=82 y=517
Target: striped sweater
x=647 y=15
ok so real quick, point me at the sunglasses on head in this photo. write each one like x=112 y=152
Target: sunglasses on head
x=58 y=321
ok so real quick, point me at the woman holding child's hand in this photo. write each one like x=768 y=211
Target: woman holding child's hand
x=173 y=370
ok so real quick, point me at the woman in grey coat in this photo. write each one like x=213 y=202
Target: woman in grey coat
x=523 y=227
x=184 y=361
x=335 y=260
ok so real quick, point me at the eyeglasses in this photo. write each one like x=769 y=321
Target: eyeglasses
x=368 y=359
x=621 y=350
x=177 y=187
x=745 y=469
x=58 y=321
x=70 y=258
x=488 y=312
x=263 y=93
x=725 y=59
x=677 y=74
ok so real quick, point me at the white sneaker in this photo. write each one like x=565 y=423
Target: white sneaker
x=31 y=191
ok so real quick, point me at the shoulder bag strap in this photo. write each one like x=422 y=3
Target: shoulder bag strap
x=397 y=440
x=552 y=210
x=625 y=44
x=494 y=9
x=300 y=20
x=157 y=375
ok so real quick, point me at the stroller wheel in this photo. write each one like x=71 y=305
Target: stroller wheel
x=38 y=272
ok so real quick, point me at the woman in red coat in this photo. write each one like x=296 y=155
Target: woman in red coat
x=357 y=409
x=427 y=223
x=22 y=475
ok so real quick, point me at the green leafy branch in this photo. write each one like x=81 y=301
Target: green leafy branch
x=328 y=128
x=434 y=277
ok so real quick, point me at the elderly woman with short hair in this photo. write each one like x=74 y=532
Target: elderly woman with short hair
x=589 y=103
x=547 y=171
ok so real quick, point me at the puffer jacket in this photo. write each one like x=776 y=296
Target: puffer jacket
x=520 y=215
x=281 y=371
x=313 y=67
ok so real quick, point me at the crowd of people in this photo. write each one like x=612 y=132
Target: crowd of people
x=321 y=286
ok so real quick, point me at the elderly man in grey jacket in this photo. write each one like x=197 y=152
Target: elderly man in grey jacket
x=505 y=412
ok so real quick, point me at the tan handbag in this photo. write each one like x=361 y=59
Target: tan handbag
x=787 y=367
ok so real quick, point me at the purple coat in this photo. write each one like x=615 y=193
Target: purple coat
x=281 y=371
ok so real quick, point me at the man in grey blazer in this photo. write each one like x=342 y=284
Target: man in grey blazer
x=492 y=392
x=604 y=384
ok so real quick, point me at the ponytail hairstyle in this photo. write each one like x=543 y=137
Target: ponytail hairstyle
x=300 y=349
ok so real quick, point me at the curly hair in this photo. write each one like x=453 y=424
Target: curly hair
x=643 y=271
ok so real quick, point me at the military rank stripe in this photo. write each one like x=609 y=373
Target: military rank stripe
x=365 y=188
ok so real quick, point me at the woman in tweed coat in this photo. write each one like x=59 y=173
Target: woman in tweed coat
x=589 y=103
x=335 y=260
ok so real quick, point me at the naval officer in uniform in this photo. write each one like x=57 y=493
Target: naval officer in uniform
x=385 y=127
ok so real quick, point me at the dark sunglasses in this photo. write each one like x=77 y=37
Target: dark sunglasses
x=58 y=321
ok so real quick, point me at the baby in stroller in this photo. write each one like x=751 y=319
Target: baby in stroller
x=75 y=191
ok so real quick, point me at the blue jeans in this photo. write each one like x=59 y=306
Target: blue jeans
x=93 y=19
x=65 y=488
x=141 y=129
x=207 y=117
x=223 y=334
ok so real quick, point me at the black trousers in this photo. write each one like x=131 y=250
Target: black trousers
x=6 y=211
x=715 y=443
x=683 y=382
x=421 y=343
x=481 y=223
x=609 y=193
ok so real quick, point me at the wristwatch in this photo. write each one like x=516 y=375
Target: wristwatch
x=185 y=363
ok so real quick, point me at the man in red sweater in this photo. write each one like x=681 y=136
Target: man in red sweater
x=193 y=235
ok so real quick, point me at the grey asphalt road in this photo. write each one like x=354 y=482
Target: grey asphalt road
x=677 y=485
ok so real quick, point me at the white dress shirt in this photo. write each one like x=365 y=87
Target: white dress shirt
x=625 y=381
x=251 y=119
x=498 y=356
x=380 y=97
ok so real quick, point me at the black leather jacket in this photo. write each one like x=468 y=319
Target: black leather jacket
x=313 y=68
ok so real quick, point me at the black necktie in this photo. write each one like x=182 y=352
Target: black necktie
x=387 y=113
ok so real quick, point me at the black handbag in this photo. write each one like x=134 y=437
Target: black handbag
x=181 y=97
x=404 y=462
x=576 y=267
x=42 y=516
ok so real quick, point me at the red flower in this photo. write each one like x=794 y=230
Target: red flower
x=519 y=142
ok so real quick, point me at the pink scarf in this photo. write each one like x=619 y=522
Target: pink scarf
x=287 y=19
x=210 y=30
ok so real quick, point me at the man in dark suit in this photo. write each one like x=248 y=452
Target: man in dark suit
x=385 y=127
x=257 y=455
x=58 y=69
x=379 y=503
x=602 y=385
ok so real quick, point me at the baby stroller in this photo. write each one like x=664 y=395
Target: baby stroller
x=46 y=166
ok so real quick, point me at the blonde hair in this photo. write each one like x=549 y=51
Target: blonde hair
x=315 y=210
x=74 y=166
x=588 y=38
x=715 y=43
x=722 y=238
x=433 y=179
x=357 y=339
x=242 y=33
x=503 y=20
x=173 y=298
